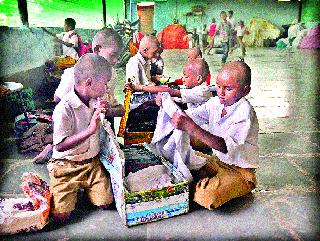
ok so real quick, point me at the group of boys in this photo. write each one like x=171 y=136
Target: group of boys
x=231 y=132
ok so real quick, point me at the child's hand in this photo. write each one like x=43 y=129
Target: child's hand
x=159 y=99
x=129 y=87
x=100 y=107
x=95 y=120
x=181 y=121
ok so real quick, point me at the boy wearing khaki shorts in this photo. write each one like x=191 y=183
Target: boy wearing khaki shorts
x=75 y=163
x=232 y=134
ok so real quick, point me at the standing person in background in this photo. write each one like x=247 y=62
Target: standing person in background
x=225 y=30
x=241 y=30
x=204 y=37
x=212 y=33
x=233 y=23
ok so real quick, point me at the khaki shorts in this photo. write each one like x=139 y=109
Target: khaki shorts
x=217 y=182
x=67 y=177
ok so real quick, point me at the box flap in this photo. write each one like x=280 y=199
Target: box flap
x=112 y=157
x=124 y=118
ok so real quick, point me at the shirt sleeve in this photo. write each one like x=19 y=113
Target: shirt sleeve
x=66 y=84
x=74 y=40
x=194 y=95
x=132 y=71
x=241 y=141
x=201 y=114
x=62 y=127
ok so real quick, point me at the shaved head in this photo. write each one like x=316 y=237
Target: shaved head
x=239 y=70
x=91 y=66
x=194 y=53
x=107 y=38
x=198 y=67
x=148 y=42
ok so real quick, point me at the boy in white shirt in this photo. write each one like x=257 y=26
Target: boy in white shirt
x=75 y=162
x=69 y=41
x=196 y=92
x=232 y=135
x=138 y=66
x=108 y=44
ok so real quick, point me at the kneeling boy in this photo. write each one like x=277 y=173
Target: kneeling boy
x=75 y=162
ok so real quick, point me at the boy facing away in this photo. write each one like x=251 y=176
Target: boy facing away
x=232 y=135
x=75 y=162
x=69 y=41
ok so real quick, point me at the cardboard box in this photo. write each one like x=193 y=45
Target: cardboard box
x=147 y=205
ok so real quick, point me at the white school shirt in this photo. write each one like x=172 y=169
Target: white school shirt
x=239 y=128
x=67 y=84
x=232 y=21
x=137 y=68
x=69 y=51
x=196 y=96
x=240 y=31
x=71 y=116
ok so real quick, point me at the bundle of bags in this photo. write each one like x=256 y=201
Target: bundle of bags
x=29 y=213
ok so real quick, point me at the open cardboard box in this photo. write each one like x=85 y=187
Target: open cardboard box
x=147 y=205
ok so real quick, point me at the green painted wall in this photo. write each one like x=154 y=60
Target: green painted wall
x=310 y=10
x=45 y=13
x=277 y=12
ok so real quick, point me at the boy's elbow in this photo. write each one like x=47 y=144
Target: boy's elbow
x=59 y=148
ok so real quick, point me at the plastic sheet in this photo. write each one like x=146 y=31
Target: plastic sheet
x=312 y=40
x=260 y=30
x=173 y=36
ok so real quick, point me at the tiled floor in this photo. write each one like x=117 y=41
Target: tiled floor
x=284 y=206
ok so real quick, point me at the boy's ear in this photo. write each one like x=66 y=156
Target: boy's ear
x=88 y=82
x=199 y=79
x=97 y=49
x=246 y=90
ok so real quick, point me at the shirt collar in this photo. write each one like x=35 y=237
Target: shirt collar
x=231 y=108
x=74 y=100
x=70 y=32
x=141 y=59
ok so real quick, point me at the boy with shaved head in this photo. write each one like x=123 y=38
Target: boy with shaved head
x=197 y=91
x=232 y=135
x=138 y=66
x=194 y=53
x=108 y=44
x=75 y=162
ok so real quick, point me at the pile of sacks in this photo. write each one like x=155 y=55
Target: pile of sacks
x=301 y=36
x=29 y=213
x=36 y=138
x=260 y=30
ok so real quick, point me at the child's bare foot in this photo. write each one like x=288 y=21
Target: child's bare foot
x=43 y=156
x=60 y=217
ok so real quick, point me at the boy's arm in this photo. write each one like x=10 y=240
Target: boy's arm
x=71 y=141
x=182 y=122
x=58 y=40
x=154 y=89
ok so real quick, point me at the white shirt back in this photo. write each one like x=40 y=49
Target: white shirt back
x=69 y=37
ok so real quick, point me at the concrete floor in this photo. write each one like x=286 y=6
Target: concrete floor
x=284 y=206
